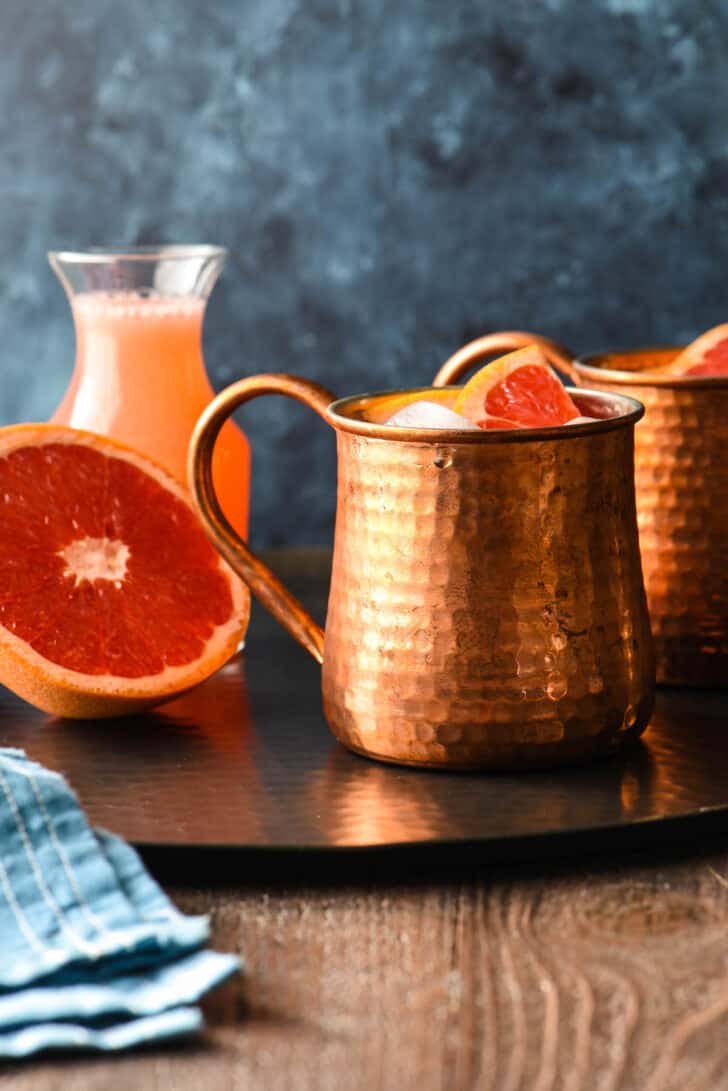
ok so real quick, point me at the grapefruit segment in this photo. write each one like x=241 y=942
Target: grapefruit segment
x=706 y=356
x=111 y=596
x=520 y=388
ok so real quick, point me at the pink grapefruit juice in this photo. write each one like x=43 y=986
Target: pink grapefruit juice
x=140 y=378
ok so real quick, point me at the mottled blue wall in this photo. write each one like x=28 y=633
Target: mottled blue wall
x=392 y=177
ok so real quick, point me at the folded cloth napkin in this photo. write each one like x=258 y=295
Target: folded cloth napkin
x=93 y=955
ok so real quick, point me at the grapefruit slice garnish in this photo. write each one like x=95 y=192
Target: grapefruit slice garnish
x=111 y=595
x=706 y=356
x=520 y=388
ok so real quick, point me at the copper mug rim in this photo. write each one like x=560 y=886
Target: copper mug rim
x=629 y=411
x=588 y=369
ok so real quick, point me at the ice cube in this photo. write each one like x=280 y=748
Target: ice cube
x=426 y=414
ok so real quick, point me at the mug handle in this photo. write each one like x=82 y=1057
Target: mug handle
x=504 y=341
x=266 y=587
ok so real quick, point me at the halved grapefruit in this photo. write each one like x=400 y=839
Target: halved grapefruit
x=111 y=596
x=706 y=356
x=520 y=388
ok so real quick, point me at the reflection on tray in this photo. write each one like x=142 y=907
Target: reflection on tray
x=367 y=803
x=246 y=761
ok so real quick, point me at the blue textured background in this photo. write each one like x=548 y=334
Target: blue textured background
x=392 y=177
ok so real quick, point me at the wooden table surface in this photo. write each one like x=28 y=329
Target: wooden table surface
x=594 y=975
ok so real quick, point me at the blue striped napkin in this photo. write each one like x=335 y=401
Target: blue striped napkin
x=93 y=955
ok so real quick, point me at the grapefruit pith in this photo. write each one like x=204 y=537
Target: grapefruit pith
x=706 y=356
x=521 y=388
x=111 y=596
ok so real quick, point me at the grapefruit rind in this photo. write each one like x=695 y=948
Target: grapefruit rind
x=380 y=409
x=63 y=692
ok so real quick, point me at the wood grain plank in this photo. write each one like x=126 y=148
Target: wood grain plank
x=606 y=979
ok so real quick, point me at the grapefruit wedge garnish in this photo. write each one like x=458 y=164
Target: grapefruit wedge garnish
x=520 y=388
x=706 y=356
x=111 y=596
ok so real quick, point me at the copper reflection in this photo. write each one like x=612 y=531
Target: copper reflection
x=486 y=604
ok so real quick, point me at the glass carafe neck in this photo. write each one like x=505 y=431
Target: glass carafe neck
x=144 y=271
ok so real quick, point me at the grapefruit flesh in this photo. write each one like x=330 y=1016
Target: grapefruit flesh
x=715 y=362
x=520 y=388
x=111 y=596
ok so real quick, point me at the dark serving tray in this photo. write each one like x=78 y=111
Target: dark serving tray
x=246 y=761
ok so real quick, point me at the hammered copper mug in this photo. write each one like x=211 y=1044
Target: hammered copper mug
x=681 y=464
x=486 y=606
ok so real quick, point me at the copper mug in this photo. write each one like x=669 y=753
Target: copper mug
x=486 y=605
x=681 y=464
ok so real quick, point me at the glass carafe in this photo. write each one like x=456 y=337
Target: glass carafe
x=140 y=375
